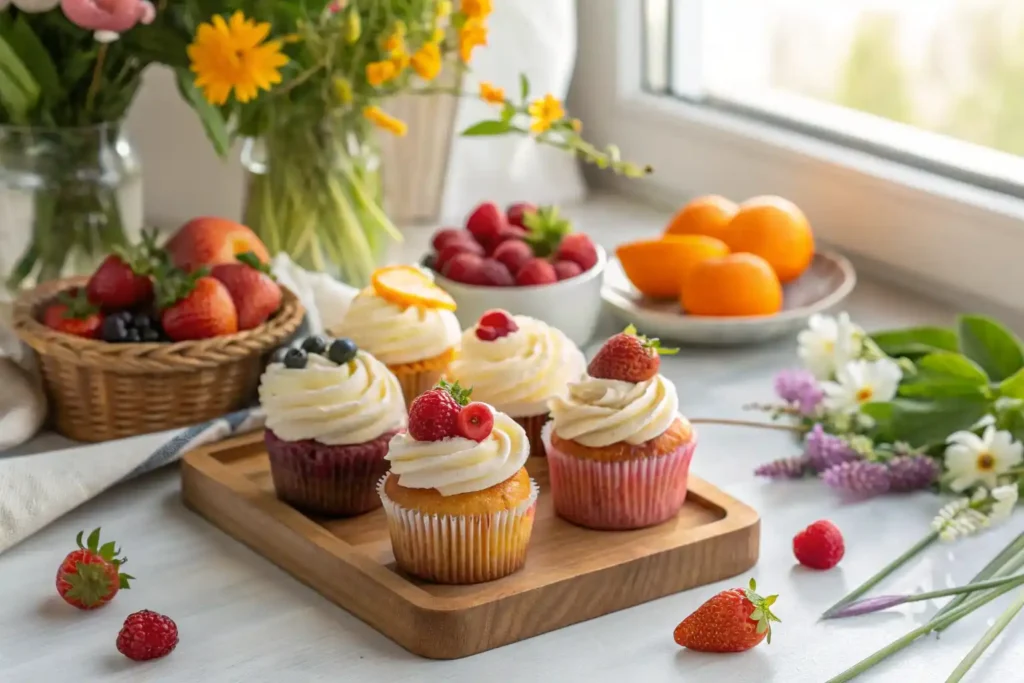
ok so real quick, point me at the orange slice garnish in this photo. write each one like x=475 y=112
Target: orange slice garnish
x=409 y=286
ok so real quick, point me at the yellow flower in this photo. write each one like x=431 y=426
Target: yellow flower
x=491 y=94
x=577 y=125
x=394 y=44
x=353 y=26
x=384 y=120
x=437 y=36
x=378 y=73
x=545 y=112
x=444 y=8
x=400 y=60
x=232 y=54
x=472 y=34
x=343 y=90
x=476 y=9
x=427 y=61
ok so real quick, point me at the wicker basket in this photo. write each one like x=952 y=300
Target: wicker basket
x=99 y=391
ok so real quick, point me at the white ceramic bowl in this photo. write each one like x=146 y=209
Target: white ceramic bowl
x=573 y=305
x=826 y=283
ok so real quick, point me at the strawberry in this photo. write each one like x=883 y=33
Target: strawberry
x=123 y=278
x=536 y=271
x=819 y=546
x=147 y=635
x=494 y=274
x=579 y=249
x=486 y=221
x=434 y=414
x=454 y=247
x=195 y=306
x=91 y=576
x=508 y=233
x=72 y=313
x=253 y=289
x=567 y=269
x=500 y=322
x=514 y=254
x=446 y=236
x=515 y=212
x=732 y=621
x=465 y=268
x=628 y=357
x=475 y=421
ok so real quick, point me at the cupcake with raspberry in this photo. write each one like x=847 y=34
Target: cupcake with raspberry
x=517 y=364
x=459 y=502
x=618 y=449
x=331 y=411
x=407 y=323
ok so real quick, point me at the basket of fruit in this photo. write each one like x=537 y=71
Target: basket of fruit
x=157 y=339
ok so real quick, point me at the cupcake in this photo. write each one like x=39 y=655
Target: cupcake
x=618 y=450
x=458 y=500
x=517 y=364
x=331 y=411
x=407 y=323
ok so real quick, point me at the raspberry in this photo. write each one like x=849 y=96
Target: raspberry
x=495 y=274
x=819 y=546
x=536 y=272
x=495 y=324
x=567 y=269
x=514 y=254
x=578 y=248
x=464 y=267
x=434 y=415
x=475 y=421
x=147 y=635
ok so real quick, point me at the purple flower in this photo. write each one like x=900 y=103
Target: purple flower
x=786 y=468
x=799 y=387
x=860 y=477
x=824 y=450
x=912 y=472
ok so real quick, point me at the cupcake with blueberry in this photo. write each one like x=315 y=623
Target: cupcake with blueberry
x=331 y=410
x=618 y=449
x=517 y=364
x=459 y=502
x=406 y=322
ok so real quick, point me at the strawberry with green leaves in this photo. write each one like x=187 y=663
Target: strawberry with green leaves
x=253 y=289
x=195 y=306
x=629 y=357
x=733 y=621
x=73 y=313
x=91 y=576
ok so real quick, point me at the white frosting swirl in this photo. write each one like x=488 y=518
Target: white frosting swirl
x=518 y=373
x=334 y=404
x=459 y=465
x=600 y=412
x=398 y=334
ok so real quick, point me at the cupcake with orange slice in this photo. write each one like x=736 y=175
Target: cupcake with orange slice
x=517 y=364
x=459 y=502
x=618 y=449
x=407 y=322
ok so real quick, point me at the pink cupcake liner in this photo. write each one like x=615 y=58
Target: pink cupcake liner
x=631 y=494
x=533 y=425
x=335 y=481
x=460 y=549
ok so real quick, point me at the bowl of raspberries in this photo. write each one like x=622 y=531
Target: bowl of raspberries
x=527 y=260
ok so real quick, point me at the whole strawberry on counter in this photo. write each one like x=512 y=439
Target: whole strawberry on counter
x=73 y=313
x=195 y=306
x=123 y=279
x=91 y=576
x=253 y=289
x=735 y=620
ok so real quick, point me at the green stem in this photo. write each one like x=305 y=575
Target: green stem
x=885 y=571
x=1015 y=563
x=989 y=570
x=97 y=72
x=990 y=635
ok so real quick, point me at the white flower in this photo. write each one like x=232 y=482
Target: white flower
x=862 y=381
x=958 y=519
x=106 y=36
x=828 y=343
x=31 y=5
x=971 y=459
x=1004 y=500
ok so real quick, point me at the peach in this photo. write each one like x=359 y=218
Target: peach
x=208 y=241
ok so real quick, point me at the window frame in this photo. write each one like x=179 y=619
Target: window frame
x=933 y=232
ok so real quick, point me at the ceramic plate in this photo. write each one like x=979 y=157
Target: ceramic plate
x=827 y=282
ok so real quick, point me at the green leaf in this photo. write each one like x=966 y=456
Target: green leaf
x=762 y=626
x=945 y=374
x=1013 y=386
x=524 y=87
x=36 y=58
x=916 y=341
x=756 y=615
x=508 y=112
x=927 y=422
x=213 y=121
x=991 y=346
x=488 y=128
x=108 y=550
x=18 y=90
x=94 y=539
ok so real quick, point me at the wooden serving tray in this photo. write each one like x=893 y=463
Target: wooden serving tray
x=571 y=574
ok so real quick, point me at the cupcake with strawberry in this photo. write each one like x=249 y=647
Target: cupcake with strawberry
x=618 y=449
x=517 y=364
x=406 y=322
x=459 y=502
x=331 y=411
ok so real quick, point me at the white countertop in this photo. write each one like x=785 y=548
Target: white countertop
x=243 y=619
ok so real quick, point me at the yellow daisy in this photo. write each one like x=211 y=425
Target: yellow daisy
x=472 y=34
x=232 y=54
x=490 y=94
x=378 y=73
x=476 y=9
x=383 y=120
x=545 y=112
x=444 y=8
x=427 y=61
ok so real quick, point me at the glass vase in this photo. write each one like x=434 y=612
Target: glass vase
x=315 y=193
x=67 y=197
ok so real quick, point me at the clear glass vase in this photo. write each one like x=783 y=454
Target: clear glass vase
x=67 y=196
x=315 y=193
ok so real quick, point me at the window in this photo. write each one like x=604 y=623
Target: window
x=935 y=83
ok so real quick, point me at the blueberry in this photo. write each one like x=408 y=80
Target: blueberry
x=315 y=344
x=295 y=359
x=132 y=336
x=150 y=335
x=142 y=322
x=428 y=261
x=342 y=351
x=113 y=330
x=278 y=355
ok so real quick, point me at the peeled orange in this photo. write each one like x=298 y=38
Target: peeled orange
x=658 y=267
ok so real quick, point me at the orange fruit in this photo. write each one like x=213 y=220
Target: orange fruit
x=707 y=215
x=737 y=284
x=776 y=230
x=658 y=267
x=409 y=286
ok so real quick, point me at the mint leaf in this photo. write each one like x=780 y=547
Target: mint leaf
x=945 y=374
x=990 y=345
x=927 y=422
x=916 y=341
